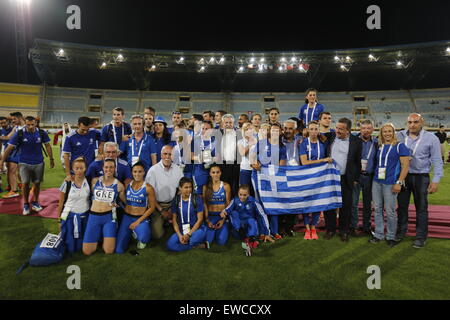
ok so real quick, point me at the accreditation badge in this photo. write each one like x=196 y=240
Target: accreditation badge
x=364 y=164
x=207 y=156
x=186 y=228
x=134 y=160
x=381 y=173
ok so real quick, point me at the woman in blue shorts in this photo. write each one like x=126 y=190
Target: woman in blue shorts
x=140 y=204
x=102 y=221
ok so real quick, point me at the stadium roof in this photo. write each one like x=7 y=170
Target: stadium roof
x=412 y=66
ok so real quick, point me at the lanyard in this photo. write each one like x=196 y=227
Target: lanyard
x=386 y=157
x=202 y=144
x=312 y=114
x=318 y=149
x=189 y=209
x=114 y=131
x=180 y=154
x=370 y=151
x=140 y=148
x=417 y=144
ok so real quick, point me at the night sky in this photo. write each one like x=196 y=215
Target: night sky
x=225 y=25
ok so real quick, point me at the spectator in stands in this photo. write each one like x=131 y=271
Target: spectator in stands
x=11 y=162
x=311 y=109
x=425 y=151
x=244 y=145
x=80 y=143
x=313 y=150
x=325 y=122
x=442 y=136
x=391 y=168
x=187 y=209
x=28 y=141
x=216 y=197
x=102 y=221
x=164 y=178
x=218 y=118
x=176 y=119
x=228 y=157
x=73 y=207
x=182 y=149
x=243 y=118
x=274 y=115
x=203 y=155
x=116 y=131
x=345 y=149
x=369 y=149
x=148 y=120
x=162 y=137
x=140 y=147
x=140 y=204
x=256 y=122
x=270 y=151
x=208 y=116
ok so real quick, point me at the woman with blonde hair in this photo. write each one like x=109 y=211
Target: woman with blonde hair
x=392 y=165
x=244 y=146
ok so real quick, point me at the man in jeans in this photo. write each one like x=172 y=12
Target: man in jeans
x=425 y=151
x=369 y=150
x=29 y=142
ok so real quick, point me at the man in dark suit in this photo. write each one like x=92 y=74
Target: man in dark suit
x=345 y=149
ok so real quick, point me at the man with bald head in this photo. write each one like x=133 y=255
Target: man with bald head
x=164 y=177
x=425 y=152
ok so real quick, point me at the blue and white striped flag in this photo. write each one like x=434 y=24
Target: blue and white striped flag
x=298 y=189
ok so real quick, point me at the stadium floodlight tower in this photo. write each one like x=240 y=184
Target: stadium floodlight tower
x=20 y=25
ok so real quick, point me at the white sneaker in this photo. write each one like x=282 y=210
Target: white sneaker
x=141 y=245
x=36 y=206
x=26 y=209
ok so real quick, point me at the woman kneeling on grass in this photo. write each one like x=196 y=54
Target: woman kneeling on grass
x=187 y=209
x=102 y=220
x=74 y=206
x=140 y=205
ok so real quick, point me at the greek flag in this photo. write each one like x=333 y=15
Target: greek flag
x=298 y=189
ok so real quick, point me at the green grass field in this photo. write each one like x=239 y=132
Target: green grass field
x=291 y=268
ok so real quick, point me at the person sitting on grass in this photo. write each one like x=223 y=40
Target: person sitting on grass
x=187 y=221
x=102 y=221
x=140 y=205
x=73 y=206
x=245 y=211
x=216 y=196
x=313 y=150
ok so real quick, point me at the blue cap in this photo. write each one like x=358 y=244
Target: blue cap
x=159 y=119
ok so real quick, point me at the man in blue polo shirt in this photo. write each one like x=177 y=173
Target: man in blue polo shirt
x=140 y=146
x=80 y=143
x=116 y=131
x=29 y=142
x=110 y=151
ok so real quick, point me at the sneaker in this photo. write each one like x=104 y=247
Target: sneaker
x=418 y=243
x=141 y=245
x=26 y=209
x=392 y=243
x=277 y=237
x=307 y=235
x=254 y=244
x=399 y=237
x=36 y=206
x=247 y=249
x=314 y=235
x=11 y=194
x=374 y=240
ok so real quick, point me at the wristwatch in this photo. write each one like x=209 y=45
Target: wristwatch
x=402 y=183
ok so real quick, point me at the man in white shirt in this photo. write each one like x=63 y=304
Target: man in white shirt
x=164 y=177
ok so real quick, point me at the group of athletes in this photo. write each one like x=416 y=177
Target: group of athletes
x=136 y=180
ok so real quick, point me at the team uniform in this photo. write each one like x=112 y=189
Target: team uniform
x=245 y=215
x=102 y=225
x=75 y=215
x=142 y=233
x=221 y=235
x=139 y=150
x=179 y=158
x=159 y=144
x=307 y=114
x=29 y=155
x=114 y=134
x=269 y=154
x=123 y=170
x=13 y=155
x=313 y=151
x=77 y=145
x=186 y=212
x=292 y=150
x=201 y=148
